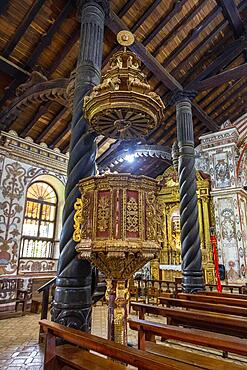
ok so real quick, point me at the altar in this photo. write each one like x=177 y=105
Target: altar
x=168 y=267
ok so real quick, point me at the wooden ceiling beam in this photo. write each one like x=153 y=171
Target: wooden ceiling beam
x=238 y=114
x=204 y=117
x=193 y=12
x=113 y=147
x=128 y=4
x=3 y=6
x=140 y=21
x=46 y=39
x=190 y=38
x=62 y=112
x=21 y=30
x=228 y=97
x=61 y=56
x=230 y=53
x=205 y=41
x=40 y=112
x=215 y=81
x=61 y=136
x=164 y=20
x=11 y=68
x=44 y=42
x=219 y=95
x=116 y=24
x=195 y=32
x=201 y=45
x=232 y=15
x=172 y=130
x=145 y=15
x=102 y=141
x=232 y=109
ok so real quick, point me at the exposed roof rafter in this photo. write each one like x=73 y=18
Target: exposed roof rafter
x=23 y=27
x=215 y=81
x=231 y=13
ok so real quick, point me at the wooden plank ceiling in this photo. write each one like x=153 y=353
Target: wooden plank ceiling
x=191 y=44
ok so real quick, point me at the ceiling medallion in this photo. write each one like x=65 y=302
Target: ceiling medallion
x=123 y=105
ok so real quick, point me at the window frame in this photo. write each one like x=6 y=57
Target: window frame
x=39 y=219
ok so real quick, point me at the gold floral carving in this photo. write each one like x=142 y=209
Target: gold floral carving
x=77 y=220
x=151 y=215
x=132 y=215
x=160 y=219
x=103 y=214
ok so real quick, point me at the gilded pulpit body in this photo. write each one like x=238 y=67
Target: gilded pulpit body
x=118 y=229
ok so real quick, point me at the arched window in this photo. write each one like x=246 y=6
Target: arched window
x=39 y=221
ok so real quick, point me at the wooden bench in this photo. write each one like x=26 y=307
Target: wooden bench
x=57 y=358
x=226 y=288
x=148 y=330
x=210 y=307
x=219 y=323
x=226 y=295
x=213 y=299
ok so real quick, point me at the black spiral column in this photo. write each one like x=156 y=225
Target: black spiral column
x=73 y=293
x=190 y=237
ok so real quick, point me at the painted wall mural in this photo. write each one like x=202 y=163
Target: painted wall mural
x=16 y=177
x=16 y=174
x=226 y=164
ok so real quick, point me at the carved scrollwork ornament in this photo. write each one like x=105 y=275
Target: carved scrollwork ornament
x=104 y=4
x=77 y=220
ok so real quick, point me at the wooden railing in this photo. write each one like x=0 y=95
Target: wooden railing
x=45 y=290
x=164 y=286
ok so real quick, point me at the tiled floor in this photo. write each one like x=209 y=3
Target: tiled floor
x=19 y=348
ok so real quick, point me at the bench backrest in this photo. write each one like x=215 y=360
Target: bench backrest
x=204 y=306
x=213 y=299
x=215 y=322
x=198 y=337
x=226 y=295
x=124 y=354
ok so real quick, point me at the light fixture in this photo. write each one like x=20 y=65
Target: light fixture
x=130 y=158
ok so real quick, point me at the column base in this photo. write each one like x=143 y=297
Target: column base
x=192 y=282
x=79 y=318
x=72 y=303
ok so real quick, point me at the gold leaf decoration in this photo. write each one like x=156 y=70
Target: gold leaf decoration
x=77 y=220
x=103 y=214
x=132 y=215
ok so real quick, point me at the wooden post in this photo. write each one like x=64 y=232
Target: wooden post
x=190 y=237
x=73 y=294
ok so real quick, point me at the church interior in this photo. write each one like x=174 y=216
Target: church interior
x=123 y=184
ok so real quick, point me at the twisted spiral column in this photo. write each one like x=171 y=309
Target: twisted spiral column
x=73 y=293
x=190 y=236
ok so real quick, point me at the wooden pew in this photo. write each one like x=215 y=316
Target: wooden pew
x=147 y=330
x=226 y=288
x=210 y=307
x=226 y=295
x=216 y=322
x=213 y=299
x=57 y=358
